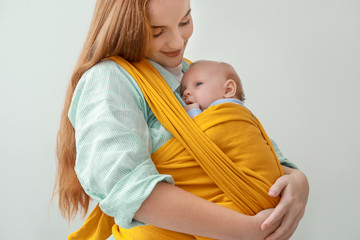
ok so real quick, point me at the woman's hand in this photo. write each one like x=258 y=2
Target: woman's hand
x=293 y=188
x=253 y=230
x=259 y=219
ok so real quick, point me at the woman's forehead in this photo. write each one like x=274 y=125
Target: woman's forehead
x=164 y=12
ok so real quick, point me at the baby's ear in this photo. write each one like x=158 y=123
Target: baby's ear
x=230 y=88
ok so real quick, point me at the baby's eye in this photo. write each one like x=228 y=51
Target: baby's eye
x=198 y=84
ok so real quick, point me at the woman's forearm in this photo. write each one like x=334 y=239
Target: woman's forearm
x=172 y=208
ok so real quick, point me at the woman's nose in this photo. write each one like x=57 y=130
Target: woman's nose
x=176 y=41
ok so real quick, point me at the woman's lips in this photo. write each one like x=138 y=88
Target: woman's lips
x=173 y=53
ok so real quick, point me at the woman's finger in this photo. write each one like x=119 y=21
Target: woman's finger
x=286 y=230
x=281 y=209
x=278 y=186
x=276 y=215
x=293 y=189
x=290 y=221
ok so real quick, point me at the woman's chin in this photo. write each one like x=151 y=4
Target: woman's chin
x=172 y=61
x=166 y=61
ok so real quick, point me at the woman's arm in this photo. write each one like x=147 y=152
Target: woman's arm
x=172 y=208
x=293 y=188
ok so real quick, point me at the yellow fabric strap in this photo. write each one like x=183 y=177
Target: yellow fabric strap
x=91 y=229
x=241 y=137
x=231 y=179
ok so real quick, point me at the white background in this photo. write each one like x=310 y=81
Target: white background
x=300 y=66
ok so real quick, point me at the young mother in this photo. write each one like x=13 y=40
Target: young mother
x=108 y=133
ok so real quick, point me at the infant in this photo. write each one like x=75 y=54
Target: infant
x=208 y=83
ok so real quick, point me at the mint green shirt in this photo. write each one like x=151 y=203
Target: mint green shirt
x=116 y=132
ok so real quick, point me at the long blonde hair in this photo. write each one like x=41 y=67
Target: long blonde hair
x=118 y=27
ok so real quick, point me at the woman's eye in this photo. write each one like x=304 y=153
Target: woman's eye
x=198 y=84
x=185 y=23
x=157 y=33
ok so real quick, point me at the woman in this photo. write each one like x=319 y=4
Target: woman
x=109 y=129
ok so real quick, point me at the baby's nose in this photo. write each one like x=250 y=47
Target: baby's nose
x=186 y=92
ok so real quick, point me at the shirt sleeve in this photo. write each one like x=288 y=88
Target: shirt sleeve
x=194 y=112
x=283 y=160
x=113 y=142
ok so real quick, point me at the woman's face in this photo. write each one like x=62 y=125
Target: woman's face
x=172 y=26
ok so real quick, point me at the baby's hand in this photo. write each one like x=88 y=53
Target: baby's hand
x=191 y=106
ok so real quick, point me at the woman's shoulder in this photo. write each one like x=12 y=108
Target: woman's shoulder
x=107 y=83
x=106 y=68
x=109 y=73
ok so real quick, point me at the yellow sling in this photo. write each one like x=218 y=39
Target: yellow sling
x=236 y=183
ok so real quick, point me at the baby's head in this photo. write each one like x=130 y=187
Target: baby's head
x=207 y=81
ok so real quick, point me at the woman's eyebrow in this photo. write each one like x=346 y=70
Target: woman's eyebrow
x=187 y=14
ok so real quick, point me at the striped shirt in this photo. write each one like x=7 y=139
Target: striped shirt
x=116 y=132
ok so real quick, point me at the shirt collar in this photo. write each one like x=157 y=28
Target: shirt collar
x=227 y=100
x=176 y=71
x=169 y=77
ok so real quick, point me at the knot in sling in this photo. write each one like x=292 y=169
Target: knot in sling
x=237 y=175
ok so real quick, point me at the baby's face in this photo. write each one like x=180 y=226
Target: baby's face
x=203 y=83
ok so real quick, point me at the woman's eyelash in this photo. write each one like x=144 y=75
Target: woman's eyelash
x=185 y=23
x=181 y=24
x=158 y=34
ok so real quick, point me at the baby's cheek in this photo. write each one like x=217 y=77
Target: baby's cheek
x=203 y=106
x=206 y=101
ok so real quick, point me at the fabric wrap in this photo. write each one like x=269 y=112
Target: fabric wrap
x=223 y=155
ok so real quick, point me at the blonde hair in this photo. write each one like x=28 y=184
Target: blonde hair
x=118 y=27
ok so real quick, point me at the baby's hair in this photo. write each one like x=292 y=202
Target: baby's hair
x=230 y=73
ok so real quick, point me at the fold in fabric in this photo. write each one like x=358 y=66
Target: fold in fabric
x=223 y=155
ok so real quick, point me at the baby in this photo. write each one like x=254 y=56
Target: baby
x=208 y=83
x=215 y=88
